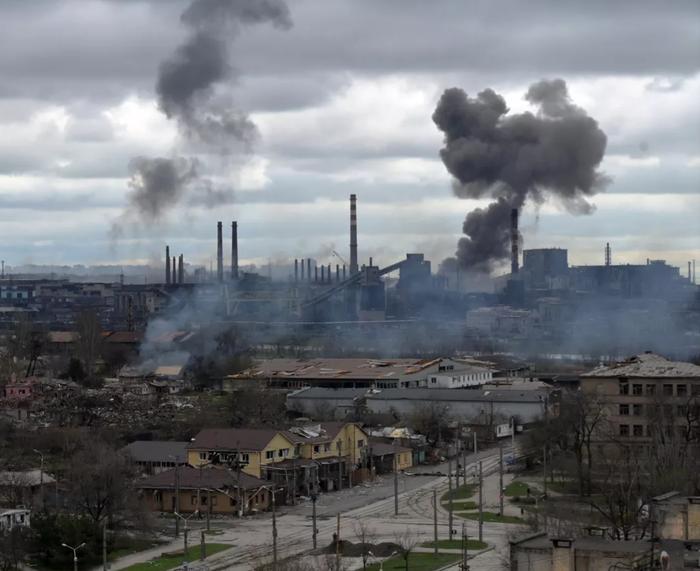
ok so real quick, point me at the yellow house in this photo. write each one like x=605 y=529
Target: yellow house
x=254 y=448
x=331 y=440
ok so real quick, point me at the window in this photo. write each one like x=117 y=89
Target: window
x=283 y=452
x=695 y=389
x=244 y=459
x=270 y=454
x=360 y=443
x=637 y=410
x=317 y=448
x=624 y=430
x=668 y=390
x=681 y=390
x=637 y=390
x=682 y=411
x=650 y=389
x=624 y=409
x=193 y=500
x=624 y=388
x=327 y=447
x=232 y=502
x=638 y=430
x=203 y=500
x=202 y=455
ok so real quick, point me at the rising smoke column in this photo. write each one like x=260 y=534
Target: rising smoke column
x=188 y=93
x=515 y=158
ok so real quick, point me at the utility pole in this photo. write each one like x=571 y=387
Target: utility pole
x=396 y=479
x=544 y=469
x=313 y=517
x=500 y=479
x=457 y=464
x=481 y=502
x=274 y=532
x=449 y=493
x=337 y=543
x=177 y=496
x=202 y=547
x=512 y=436
x=104 y=545
x=464 y=463
x=465 y=548
x=435 y=530
x=475 y=447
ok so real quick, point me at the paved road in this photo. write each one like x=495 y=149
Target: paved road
x=372 y=504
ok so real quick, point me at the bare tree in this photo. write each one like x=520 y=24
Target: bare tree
x=432 y=420
x=366 y=536
x=89 y=342
x=406 y=541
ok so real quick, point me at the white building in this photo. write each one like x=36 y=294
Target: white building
x=450 y=376
x=9 y=519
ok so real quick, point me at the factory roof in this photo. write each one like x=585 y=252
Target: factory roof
x=25 y=478
x=323 y=393
x=451 y=395
x=647 y=365
x=347 y=368
x=156 y=450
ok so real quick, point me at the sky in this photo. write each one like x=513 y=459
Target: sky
x=342 y=100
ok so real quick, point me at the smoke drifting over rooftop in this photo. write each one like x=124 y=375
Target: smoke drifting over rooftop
x=191 y=91
x=516 y=158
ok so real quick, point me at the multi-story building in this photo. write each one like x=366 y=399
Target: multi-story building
x=644 y=394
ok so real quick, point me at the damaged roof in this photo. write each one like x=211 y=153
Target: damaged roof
x=647 y=365
x=235 y=438
x=194 y=478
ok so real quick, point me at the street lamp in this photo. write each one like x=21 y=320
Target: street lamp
x=75 y=553
x=41 y=478
x=186 y=519
x=381 y=561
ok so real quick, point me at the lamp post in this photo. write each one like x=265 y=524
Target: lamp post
x=75 y=553
x=380 y=561
x=185 y=520
x=41 y=479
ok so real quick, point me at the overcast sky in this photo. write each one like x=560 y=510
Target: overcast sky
x=343 y=102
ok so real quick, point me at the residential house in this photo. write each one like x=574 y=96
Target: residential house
x=24 y=488
x=156 y=456
x=216 y=490
x=9 y=519
x=387 y=457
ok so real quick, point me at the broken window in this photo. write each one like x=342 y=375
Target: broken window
x=624 y=430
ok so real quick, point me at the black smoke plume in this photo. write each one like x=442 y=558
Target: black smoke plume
x=515 y=158
x=189 y=92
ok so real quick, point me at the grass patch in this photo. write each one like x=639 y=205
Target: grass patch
x=417 y=562
x=491 y=517
x=461 y=493
x=131 y=546
x=472 y=544
x=468 y=505
x=518 y=488
x=166 y=562
x=563 y=487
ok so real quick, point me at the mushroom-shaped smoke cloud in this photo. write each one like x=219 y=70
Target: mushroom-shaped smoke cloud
x=513 y=158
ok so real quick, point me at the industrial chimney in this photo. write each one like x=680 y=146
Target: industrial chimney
x=181 y=269
x=167 y=265
x=608 y=254
x=514 y=266
x=353 y=234
x=234 y=250
x=219 y=252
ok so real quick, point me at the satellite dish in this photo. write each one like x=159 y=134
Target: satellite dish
x=665 y=560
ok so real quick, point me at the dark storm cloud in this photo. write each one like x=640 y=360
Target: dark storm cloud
x=515 y=158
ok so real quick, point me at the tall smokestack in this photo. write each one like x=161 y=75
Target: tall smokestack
x=302 y=269
x=308 y=268
x=167 y=264
x=694 y=272
x=690 y=274
x=296 y=269
x=181 y=269
x=173 y=271
x=219 y=252
x=337 y=272
x=608 y=254
x=514 y=266
x=315 y=273
x=353 y=234
x=234 y=250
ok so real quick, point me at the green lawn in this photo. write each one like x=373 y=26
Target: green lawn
x=133 y=546
x=417 y=562
x=472 y=544
x=490 y=517
x=166 y=562
x=468 y=505
x=461 y=493
x=518 y=488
